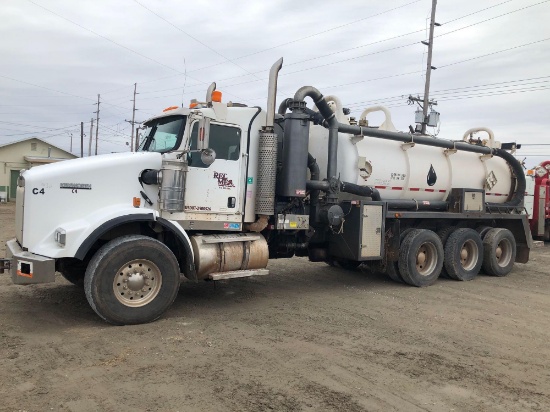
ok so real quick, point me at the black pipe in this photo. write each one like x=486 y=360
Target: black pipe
x=332 y=125
x=316 y=117
x=416 y=205
x=284 y=105
x=317 y=185
x=354 y=189
x=149 y=177
x=409 y=138
x=314 y=194
x=521 y=184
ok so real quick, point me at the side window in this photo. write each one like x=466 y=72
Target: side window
x=224 y=140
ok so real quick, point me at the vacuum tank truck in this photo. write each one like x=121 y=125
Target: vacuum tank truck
x=218 y=189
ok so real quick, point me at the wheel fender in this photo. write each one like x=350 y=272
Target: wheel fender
x=168 y=225
x=99 y=227
x=182 y=235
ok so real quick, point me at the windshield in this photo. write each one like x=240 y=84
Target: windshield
x=163 y=135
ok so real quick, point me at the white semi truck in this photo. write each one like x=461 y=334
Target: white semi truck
x=217 y=189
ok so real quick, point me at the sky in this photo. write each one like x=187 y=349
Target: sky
x=492 y=59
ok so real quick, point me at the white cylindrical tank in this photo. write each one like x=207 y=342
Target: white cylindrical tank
x=407 y=171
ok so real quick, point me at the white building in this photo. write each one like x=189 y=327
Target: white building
x=25 y=154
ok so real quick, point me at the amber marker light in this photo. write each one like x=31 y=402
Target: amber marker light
x=217 y=96
x=170 y=108
x=530 y=172
x=192 y=105
x=398 y=215
x=136 y=202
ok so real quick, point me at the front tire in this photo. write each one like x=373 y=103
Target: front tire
x=132 y=279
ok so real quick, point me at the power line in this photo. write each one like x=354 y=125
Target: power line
x=284 y=44
x=493 y=18
x=381 y=51
x=191 y=36
x=103 y=37
x=479 y=11
x=441 y=92
x=493 y=53
x=112 y=41
x=44 y=131
x=391 y=105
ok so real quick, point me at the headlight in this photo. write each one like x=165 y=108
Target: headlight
x=60 y=236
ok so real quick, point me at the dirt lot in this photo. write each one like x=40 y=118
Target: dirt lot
x=307 y=337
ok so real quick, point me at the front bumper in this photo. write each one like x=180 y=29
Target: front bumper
x=27 y=268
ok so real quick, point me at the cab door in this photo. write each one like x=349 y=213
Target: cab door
x=216 y=189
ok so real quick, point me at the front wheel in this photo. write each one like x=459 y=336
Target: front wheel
x=131 y=280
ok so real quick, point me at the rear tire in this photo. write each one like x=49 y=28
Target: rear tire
x=482 y=230
x=392 y=270
x=463 y=254
x=499 y=252
x=132 y=279
x=392 y=267
x=444 y=234
x=421 y=257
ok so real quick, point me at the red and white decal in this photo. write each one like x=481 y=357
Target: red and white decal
x=223 y=181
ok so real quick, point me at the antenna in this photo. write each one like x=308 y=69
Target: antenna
x=184 y=80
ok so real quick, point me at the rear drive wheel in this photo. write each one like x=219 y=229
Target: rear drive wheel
x=499 y=252
x=463 y=254
x=392 y=267
x=132 y=279
x=392 y=270
x=482 y=230
x=421 y=258
x=444 y=234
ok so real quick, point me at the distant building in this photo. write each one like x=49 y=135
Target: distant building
x=25 y=154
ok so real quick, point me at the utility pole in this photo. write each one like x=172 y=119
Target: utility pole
x=425 y=102
x=429 y=67
x=81 y=139
x=91 y=134
x=97 y=124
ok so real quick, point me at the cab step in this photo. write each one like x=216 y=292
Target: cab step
x=238 y=274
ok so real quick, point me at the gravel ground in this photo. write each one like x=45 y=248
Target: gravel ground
x=308 y=337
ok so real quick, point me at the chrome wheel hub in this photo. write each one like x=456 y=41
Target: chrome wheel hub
x=469 y=255
x=137 y=283
x=426 y=259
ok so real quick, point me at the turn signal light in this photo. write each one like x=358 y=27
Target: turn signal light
x=217 y=96
x=137 y=202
